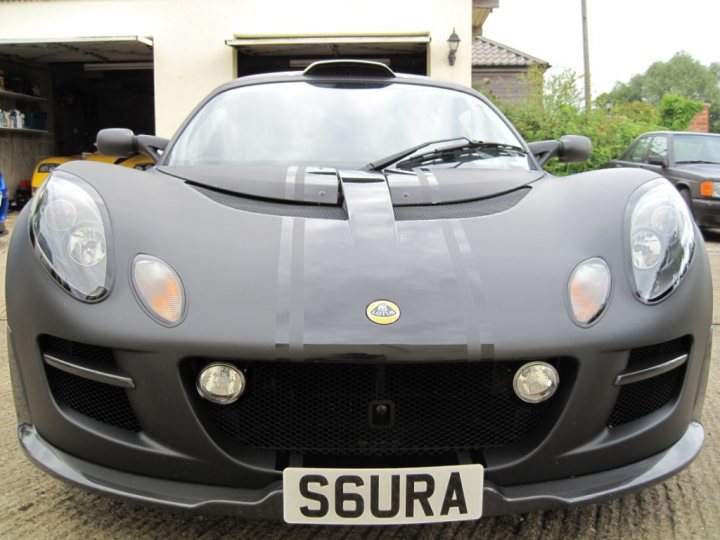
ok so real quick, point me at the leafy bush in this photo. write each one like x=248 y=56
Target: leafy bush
x=557 y=111
x=677 y=112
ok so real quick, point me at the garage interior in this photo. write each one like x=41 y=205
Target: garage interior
x=65 y=92
x=402 y=53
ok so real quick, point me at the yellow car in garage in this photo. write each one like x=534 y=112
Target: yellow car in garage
x=48 y=165
x=45 y=167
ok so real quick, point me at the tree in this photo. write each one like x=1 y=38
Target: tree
x=682 y=76
x=557 y=111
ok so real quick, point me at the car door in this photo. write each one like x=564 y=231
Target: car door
x=656 y=158
x=634 y=156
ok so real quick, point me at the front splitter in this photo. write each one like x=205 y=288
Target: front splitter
x=267 y=503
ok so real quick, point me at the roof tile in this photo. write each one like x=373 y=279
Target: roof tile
x=486 y=52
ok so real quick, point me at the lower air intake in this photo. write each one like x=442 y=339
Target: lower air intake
x=326 y=409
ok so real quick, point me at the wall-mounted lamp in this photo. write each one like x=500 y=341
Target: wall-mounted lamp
x=609 y=106
x=453 y=43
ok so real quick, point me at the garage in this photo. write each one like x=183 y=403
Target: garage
x=57 y=93
x=402 y=53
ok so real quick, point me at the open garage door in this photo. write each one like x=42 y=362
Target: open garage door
x=65 y=90
x=403 y=53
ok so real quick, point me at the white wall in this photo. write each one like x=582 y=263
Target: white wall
x=191 y=57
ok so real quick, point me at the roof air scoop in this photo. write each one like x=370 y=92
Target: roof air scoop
x=348 y=68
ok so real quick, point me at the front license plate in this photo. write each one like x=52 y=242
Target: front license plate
x=382 y=496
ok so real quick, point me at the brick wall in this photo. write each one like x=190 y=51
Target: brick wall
x=701 y=122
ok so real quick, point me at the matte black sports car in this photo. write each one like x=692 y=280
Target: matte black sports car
x=691 y=161
x=350 y=296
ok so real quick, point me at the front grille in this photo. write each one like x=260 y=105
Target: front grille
x=642 y=398
x=76 y=350
x=102 y=402
x=639 y=399
x=323 y=409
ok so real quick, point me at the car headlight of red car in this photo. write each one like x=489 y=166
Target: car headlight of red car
x=662 y=240
x=69 y=228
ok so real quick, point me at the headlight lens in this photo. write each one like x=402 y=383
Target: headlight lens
x=69 y=227
x=662 y=239
x=47 y=167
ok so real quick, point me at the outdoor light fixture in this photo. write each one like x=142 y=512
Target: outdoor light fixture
x=453 y=43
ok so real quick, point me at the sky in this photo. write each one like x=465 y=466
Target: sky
x=625 y=36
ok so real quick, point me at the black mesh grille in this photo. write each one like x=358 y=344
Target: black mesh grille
x=468 y=209
x=101 y=402
x=82 y=351
x=325 y=408
x=661 y=351
x=639 y=399
x=274 y=208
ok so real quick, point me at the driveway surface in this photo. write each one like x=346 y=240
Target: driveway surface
x=34 y=505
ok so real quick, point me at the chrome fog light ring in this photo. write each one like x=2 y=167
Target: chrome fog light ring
x=221 y=383
x=535 y=382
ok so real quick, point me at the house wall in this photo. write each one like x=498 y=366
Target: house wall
x=505 y=84
x=190 y=54
x=701 y=122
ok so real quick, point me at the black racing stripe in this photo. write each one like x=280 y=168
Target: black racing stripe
x=472 y=301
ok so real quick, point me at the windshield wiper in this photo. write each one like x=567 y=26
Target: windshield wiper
x=456 y=151
x=380 y=164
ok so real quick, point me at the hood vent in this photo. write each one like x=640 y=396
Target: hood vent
x=274 y=208
x=460 y=210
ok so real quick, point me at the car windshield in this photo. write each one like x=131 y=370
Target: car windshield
x=696 y=149
x=339 y=125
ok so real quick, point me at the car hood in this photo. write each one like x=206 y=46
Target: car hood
x=268 y=279
x=707 y=170
x=321 y=185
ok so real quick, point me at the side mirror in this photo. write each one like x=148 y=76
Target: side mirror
x=575 y=149
x=123 y=142
x=660 y=161
x=569 y=149
x=116 y=142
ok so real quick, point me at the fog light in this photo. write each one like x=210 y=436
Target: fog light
x=221 y=383
x=535 y=382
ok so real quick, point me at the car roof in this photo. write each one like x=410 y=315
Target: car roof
x=382 y=75
x=669 y=132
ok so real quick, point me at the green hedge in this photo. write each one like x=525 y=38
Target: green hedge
x=553 y=110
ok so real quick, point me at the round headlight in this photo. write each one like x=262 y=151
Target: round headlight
x=646 y=248
x=221 y=383
x=69 y=228
x=87 y=245
x=661 y=238
x=535 y=382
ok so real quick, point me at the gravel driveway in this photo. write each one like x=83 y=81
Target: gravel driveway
x=34 y=505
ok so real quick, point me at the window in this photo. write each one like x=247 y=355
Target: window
x=696 y=149
x=638 y=151
x=658 y=147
